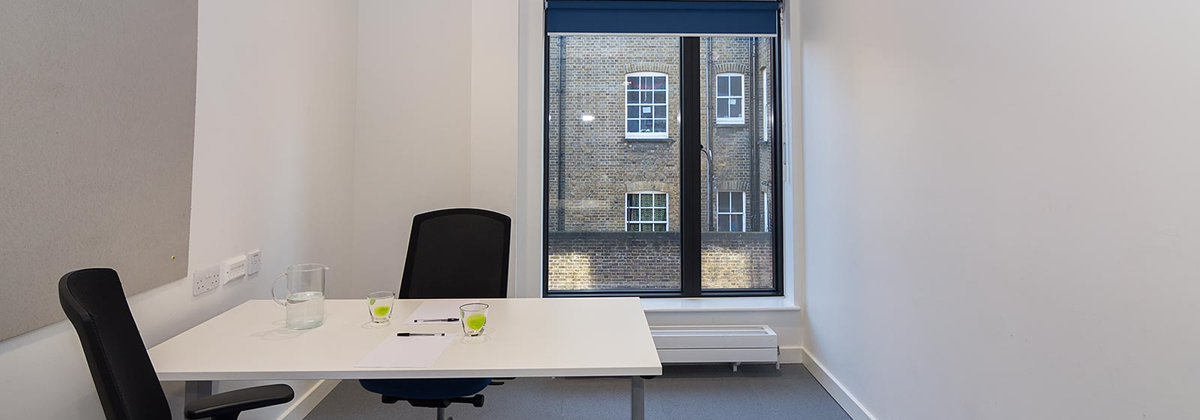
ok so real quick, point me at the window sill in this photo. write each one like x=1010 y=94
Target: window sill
x=731 y=123
x=745 y=304
x=649 y=139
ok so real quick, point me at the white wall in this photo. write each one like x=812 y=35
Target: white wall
x=1002 y=206
x=437 y=121
x=494 y=110
x=413 y=147
x=275 y=107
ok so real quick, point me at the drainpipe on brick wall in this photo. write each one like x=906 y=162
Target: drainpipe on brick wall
x=708 y=135
x=755 y=199
x=562 y=119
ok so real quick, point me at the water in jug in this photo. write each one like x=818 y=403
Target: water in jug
x=305 y=299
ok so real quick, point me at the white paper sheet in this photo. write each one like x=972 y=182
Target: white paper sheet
x=437 y=309
x=407 y=352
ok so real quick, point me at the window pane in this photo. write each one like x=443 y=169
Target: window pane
x=730 y=259
x=597 y=187
x=722 y=86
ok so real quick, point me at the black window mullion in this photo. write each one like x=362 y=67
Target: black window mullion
x=776 y=216
x=689 y=164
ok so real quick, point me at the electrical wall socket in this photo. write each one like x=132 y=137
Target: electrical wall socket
x=254 y=263
x=206 y=279
x=233 y=269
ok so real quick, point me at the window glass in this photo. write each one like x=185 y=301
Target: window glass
x=729 y=105
x=646 y=212
x=646 y=106
x=731 y=211
x=615 y=160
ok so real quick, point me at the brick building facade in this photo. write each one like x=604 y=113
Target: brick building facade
x=614 y=131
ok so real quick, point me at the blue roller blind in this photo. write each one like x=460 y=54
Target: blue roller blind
x=758 y=18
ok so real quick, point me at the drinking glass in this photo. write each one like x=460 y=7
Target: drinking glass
x=380 y=305
x=474 y=318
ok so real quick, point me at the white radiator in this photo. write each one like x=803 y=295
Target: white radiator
x=735 y=344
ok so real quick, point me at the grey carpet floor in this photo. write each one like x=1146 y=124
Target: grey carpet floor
x=755 y=392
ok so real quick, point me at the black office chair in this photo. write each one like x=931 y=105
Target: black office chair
x=454 y=253
x=129 y=389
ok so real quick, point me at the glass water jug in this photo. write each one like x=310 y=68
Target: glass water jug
x=305 y=299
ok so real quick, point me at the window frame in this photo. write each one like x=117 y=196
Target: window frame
x=691 y=281
x=741 y=98
x=666 y=211
x=666 y=134
x=731 y=213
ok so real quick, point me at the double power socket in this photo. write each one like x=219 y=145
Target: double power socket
x=241 y=266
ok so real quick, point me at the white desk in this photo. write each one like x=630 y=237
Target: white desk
x=576 y=337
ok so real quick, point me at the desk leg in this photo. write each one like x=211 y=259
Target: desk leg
x=194 y=390
x=637 y=407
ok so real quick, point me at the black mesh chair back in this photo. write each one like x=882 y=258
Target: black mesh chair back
x=457 y=253
x=125 y=380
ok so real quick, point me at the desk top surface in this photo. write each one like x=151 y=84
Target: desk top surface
x=525 y=338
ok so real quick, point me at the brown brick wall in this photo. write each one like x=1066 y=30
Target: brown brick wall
x=650 y=261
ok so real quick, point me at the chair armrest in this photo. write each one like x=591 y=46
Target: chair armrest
x=237 y=401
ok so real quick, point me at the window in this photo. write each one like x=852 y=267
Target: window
x=630 y=195
x=731 y=211
x=646 y=105
x=766 y=212
x=766 y=120
x=730 y=106
x=646 y=212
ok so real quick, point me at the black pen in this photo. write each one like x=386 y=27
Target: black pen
x=436 y=320
x=420 y=334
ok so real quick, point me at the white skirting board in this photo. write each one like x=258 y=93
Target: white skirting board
x=305 y=403
x=843 y=397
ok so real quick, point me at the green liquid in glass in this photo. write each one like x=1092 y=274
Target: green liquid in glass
x=476 y=321
x=382 y=311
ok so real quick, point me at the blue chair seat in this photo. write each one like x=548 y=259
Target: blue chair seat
x=425 y=389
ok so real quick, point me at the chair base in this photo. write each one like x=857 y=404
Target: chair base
x=475 y=400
